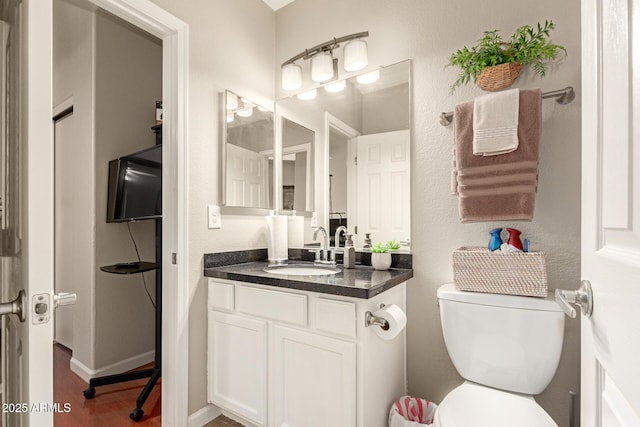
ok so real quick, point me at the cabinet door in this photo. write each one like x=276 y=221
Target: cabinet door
x=237 y=365
x=314 y=380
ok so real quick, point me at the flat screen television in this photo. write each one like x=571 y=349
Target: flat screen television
x=135 y=186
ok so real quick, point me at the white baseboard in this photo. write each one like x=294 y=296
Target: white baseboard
x=204 y=415
x=84 y=372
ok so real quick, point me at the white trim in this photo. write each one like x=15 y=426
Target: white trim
x=175 y=277
x=204 y=415
x=86 y=373
x=67 y=103
x=332 y=122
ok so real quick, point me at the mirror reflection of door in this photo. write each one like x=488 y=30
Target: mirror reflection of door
x=365 y=154
x=248 y=153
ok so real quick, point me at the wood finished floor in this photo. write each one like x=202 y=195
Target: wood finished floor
x=110 y=407
x=112 y=404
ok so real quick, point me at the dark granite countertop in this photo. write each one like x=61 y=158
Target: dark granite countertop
x=360 y=282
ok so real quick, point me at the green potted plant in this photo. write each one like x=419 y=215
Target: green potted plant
x=494 y=64
x=380 y=257
x=393 y=245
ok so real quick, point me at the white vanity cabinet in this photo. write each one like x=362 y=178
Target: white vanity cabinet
x=292 y=358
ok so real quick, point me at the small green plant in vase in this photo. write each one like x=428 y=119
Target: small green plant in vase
x=393 y=245
x=380 y=256
x=494 y=64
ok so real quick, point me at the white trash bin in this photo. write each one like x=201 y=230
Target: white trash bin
x=412 y=412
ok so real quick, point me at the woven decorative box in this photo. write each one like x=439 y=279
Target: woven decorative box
x=514 y=273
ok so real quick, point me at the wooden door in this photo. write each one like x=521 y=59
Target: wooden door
x=610 y=393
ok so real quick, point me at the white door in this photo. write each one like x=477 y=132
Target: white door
x=383 y=175
x=247 y=177
x=27 y=172
x=314 y=380
x=66 y=204
x=610 y=380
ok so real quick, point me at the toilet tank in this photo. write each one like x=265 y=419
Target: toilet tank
x=507 y=342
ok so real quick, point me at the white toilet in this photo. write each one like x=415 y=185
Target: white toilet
x=507 y=348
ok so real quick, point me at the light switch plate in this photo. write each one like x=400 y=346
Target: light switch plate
x=214 y=218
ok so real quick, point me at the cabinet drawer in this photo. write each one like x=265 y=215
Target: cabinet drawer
x=336 y=317
x=282 y=306
x=220 y=295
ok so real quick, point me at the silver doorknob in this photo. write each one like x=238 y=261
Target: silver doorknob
x=582 y=297
x=16 y=306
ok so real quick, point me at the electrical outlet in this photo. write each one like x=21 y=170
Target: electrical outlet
x=214 y=218
x=314 y=219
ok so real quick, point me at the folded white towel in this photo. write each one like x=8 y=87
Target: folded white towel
x=495 y=123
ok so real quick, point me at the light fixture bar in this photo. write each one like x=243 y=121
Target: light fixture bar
x=328 y=45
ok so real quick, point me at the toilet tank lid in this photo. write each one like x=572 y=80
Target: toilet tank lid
x=450 y=293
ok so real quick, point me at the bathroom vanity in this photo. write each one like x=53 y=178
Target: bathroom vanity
x=295 y=351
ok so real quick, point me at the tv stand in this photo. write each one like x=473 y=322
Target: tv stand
x=152 y=373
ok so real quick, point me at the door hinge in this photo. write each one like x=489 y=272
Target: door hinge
x=355 y=160
x=174 y=257
x=355 y=229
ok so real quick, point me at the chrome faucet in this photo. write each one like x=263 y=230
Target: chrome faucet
x=322 y=256
x=336 y=241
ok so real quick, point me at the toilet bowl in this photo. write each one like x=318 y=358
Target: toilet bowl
x=507 y=349
x=475 y=405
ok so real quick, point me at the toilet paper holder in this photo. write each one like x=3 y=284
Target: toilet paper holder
x=371 y=320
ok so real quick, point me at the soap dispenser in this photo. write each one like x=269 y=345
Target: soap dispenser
x=349 y=260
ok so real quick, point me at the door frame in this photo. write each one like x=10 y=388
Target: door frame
x=332 y=122
x=174 y=34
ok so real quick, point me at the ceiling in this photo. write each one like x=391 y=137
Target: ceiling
x=277 y=4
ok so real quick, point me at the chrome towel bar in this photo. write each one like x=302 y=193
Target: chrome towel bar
x=564 y=96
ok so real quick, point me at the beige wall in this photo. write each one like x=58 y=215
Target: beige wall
x=427 y=33
x=114 y=74
x=231 y=46
x=128 y=70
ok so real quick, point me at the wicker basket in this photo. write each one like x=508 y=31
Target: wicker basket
x=498 y=76
x=516 y=273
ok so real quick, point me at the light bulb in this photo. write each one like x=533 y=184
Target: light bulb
x=355 y=55
x=291 y=77
x=232 y=101
x=322 y=67
x=308 y=95
x=336 y=86
x=368 y=78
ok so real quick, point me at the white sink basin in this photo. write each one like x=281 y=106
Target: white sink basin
x=302 y=270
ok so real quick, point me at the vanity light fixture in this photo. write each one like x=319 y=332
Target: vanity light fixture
x=324 y=67
x=368 y=78
x=355 y=55
x=232 y=101
x=336 y=86
x=308 y=95
x=246 y=110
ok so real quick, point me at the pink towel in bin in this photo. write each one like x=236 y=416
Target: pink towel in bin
x=412 y=411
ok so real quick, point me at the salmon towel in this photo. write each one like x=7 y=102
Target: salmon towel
x=411 y=412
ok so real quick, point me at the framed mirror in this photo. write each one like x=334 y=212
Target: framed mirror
x=362 y=170
x=247 y=156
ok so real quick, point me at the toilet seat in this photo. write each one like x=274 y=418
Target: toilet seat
x=474 y=405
